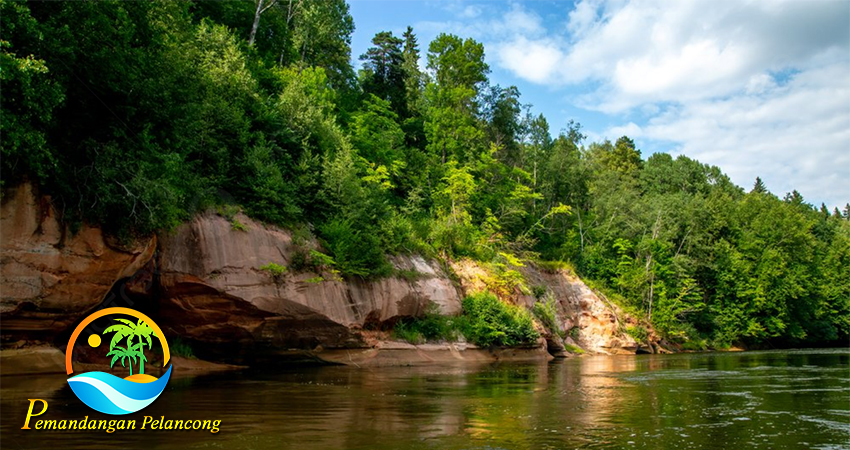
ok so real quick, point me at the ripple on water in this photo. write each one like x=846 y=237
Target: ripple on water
x=796 y=390
x=826 y=423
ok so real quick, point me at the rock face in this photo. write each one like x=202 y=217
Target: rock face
x=598 y=328
x=592 y=322
x=214 y=290
x=204 y=283
x=50 y=277
x=31 y=360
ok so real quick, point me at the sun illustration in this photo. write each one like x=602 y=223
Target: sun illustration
x=105 y=392
x=94 y=340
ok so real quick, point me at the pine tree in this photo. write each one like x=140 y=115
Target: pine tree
x=413 y=77
x=759 y=186
x=384 y=74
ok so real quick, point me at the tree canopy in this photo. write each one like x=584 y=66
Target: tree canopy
x=137 y=115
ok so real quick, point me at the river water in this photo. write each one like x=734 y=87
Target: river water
x=797 y=399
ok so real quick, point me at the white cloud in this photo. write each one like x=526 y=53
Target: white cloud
x=519 y=20
x=795 y=136
x=531 y=60
x=583 y=17
x=656 y=50
x=471 y=12
x=760 y=83
x=757 y=88
x=515 y=22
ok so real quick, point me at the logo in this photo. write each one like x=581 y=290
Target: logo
x=128 y=340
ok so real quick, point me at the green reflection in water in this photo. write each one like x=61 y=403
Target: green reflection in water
x=770 y=400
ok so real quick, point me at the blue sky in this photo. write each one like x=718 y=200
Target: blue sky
x=756 y=88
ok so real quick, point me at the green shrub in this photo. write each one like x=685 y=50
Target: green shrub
x=547 y=313
x=321 y=261
x=314 y=261
x=397 y=234
x=696 y=345
x=301 y=235
x=538 y=291
x=356 y=251
x=410 y=275
x=573 y=349
x=457 y=239
x=511 y=260
x=180 y=348
x=504 y=280
x=300 y=261
x=227 y=211
x=432 y=326
x=489 y=321
x=275 y=270
x=639 y=333
x=236 y=225
x=315 y=280
x=407 y=332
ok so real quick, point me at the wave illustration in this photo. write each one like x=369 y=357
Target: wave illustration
x=109 y=394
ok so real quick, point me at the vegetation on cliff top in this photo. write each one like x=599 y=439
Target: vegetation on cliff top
x=486 y=321
x=136 y=115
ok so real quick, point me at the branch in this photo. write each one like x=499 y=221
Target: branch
x=273 y=2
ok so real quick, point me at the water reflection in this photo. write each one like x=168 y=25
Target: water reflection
x=756 y=400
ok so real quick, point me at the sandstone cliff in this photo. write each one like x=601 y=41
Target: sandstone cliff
x=49 y=276
x=203 y=283
x=214 y=290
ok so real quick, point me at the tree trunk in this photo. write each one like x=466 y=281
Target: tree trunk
x=141 y=361
x=256 y=22
x=580 y=229
x=651 y=285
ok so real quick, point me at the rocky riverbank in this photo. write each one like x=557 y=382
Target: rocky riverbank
x=205 y=284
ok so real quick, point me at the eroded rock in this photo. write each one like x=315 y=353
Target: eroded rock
x=213 y=290
x=596 y=322
x=206 y=286
x=51 y=277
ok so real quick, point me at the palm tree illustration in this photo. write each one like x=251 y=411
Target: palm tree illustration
x=132 y=350
x=118 y=352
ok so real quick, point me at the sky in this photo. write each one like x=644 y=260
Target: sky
x=758 y=88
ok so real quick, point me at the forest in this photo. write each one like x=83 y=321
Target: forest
x=137 y=115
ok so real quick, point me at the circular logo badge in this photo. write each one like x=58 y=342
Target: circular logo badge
x=124 y=341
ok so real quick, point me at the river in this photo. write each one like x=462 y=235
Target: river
x=797 y=399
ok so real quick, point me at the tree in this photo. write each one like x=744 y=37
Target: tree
x=262 y=6
x=413 y=77
x=457 y=63
x=624 y=157
x=538 y=143
x=759 y=187
x=132 y=350
x=451 y=125
x=30 y=96
x=451 y=128
x=376 y=134
x=501 y=112
x=322 y=37
x=458 y=186
x=384 y=72
x=124 y=355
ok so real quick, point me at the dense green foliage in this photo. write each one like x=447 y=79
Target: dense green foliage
x=490 y=321
x=546 y=313
x=486 y=321
x=432 y=326
x=136 y=115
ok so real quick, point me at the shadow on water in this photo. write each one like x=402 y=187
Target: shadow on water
x=776 y=399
